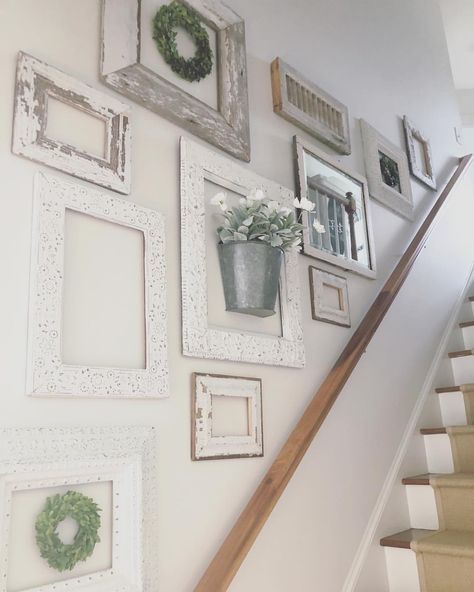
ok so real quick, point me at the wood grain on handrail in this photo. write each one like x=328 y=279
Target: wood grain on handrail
x=233 y=550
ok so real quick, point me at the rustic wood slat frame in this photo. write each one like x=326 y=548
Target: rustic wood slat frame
x=204 y=446
x=412 y=135
x=300 y=147
x=317 y=279
x=239 y=541
x=321 y=115
x=121 y=69
x=35 y=83
x=373 y=142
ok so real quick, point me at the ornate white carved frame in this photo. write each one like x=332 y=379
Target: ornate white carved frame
x=35 y=458
x=205 y=446
x=374 y=142
x=199 y=340
x=422 y=171
x=228 y=126
x=300 y=147
x=321 y=310
x=47 y=375
x=36 y=83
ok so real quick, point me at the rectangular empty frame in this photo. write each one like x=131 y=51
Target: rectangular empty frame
x=329 y=297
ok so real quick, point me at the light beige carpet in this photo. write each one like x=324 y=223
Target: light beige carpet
x=462 y=446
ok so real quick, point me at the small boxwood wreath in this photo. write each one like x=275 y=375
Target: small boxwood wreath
x=85 y=512
x=178 y=15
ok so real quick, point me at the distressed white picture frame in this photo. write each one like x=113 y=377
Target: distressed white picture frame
x=121 y=69
x=401 y=202
x=36 y=83
x=47 y=375
x=35 y=458
x=324 y=311
x=424 y=172
x=303 y=103
x=199 y=164
x=206 y=446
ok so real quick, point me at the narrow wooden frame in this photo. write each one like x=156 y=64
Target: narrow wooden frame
x=199 y=340
x=425 y=174
x=309 y=107
x=47 y=374
x=36 y=83
x=401 y=202
x=205 y=446
x=300 y=147
x=321 y=312
x=228 y=126
x=34 y=458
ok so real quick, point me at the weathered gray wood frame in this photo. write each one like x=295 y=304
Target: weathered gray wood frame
x=412 y=134
x=36 y=82
x=227 y=127
x=319 y=311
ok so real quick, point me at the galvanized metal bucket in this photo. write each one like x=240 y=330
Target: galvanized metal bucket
x=250 y=275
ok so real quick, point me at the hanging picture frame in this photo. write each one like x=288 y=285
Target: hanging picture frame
x=37 y=85
x=226 y=126
x=329 y=297
x=388 y=174
x=47 y=374
x=419 y=154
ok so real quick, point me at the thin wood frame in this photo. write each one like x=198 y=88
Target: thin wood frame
x=36 y=83
x=401 y=202
x=318 y=278
x=300 y=147
x=199 y=164
x=424 y=172
x=47 y=374
x=35 y=458
x=121 y=69
x=309 y=107
x=205 y=446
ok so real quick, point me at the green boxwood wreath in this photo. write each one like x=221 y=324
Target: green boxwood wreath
x=85 y=512
x=173 y=15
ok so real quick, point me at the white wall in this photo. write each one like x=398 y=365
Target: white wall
x=383 y=58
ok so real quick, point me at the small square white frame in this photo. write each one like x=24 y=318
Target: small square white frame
x=205 y=446
x=373 y=142
x=425 y=174
x=47 y=375
x=36 y=82
x=199 y=164
x=33 y=458
x=320 y=311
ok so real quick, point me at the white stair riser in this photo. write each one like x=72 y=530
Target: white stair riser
x=438 y=453
x=402 y=570
x=468 y=336
x=422 y=507
x=463 y=369
x=453 y=410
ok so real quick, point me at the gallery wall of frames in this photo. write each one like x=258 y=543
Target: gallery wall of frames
x=84 y=498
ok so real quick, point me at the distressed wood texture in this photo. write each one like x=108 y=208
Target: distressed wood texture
x=309 y=107
x=321 y=311
x=36 y=82
x=234 y=549
x=423 y=171
x=206 y=446
x=227 y=127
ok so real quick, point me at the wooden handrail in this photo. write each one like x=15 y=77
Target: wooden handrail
x=234 y=549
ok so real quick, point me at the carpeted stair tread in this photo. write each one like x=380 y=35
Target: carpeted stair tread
x=446 y=542
x=455 y=389
x=465 y=429
x=465 y=324
x=404 y=539
x=461 y=353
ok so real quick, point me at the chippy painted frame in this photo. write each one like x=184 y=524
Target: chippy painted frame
x=47 y=375
x=36 y=82
x=121 y=69
x=373 y=142
x=300 y=147
x=205 y=446
x=199 y=340
x=412 y=135
x=308 y=106
x=43 y=457
x=321 y=312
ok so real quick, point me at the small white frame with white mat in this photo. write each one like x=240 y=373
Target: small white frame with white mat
x=323 y=311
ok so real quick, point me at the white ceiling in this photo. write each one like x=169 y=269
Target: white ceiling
x=458 y=16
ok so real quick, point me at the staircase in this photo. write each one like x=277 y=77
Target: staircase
x=437 y=553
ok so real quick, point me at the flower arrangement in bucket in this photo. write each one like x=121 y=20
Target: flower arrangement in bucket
x=252 y=239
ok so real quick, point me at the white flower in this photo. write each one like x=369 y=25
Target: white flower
x=318 y=226
x=256 y=195
x=304 y=204
x=219 y=200
x=273 y=206
x=243 y=201
x=285 y=211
